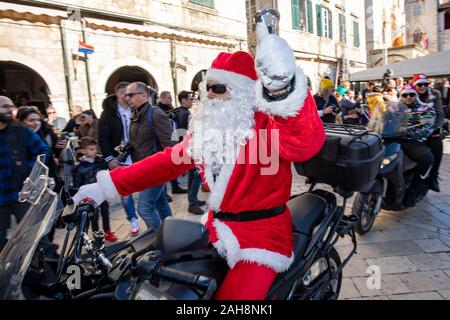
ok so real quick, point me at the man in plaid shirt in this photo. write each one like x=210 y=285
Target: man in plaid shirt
x=19 y=147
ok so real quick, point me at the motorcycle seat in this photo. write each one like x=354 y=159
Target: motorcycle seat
x=308 y=209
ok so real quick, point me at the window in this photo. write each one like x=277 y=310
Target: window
x=356 y=41
x=206 y=3
x=324 y=22
x=302 y=15
x=417 y=9
x=447 y=20
x=342 y=28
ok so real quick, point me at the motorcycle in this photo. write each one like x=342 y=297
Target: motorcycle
x=187 y=267
x=394 y=178
x=182 y=267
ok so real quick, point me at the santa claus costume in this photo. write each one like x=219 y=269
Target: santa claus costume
x=249 y=222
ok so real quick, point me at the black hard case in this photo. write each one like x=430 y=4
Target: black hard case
x=350 y=158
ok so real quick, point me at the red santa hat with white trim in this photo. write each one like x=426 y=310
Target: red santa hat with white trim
x=407 y=88
x=236 y=69
x=419 y=78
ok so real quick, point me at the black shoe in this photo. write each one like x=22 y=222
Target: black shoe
x=409 y=201
x=434 y=185
x=169 y=198
x=195 y=209
x=201 y=203
x=178 y=190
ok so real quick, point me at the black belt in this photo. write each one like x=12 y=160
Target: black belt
x=249 y=215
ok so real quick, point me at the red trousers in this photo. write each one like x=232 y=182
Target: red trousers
x=246 y=281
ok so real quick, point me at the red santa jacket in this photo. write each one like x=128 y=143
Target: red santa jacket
x=243 y=187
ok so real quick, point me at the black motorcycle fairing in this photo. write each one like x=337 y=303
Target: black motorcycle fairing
x=136 y=244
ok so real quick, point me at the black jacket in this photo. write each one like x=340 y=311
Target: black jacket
x=164 y=107
x=86 y=172
x=110 y=128
x=322 y=104
x=181 y=117
x=433 y=96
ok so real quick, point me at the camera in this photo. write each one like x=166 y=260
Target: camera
x=336 y=109
x=124 y=150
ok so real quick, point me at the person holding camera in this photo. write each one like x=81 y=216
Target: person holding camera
x=113 y=136
x=327 y=104
x=151 y=131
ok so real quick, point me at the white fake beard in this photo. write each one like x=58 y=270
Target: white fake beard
x=220 y=127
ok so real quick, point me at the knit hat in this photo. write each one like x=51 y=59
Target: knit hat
x=419 y=78
x=326 y=83
x=407 y=88
x=236 y=69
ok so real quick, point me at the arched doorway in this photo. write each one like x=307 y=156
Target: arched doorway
x=131 y=74
x=23 y=85
x=197 y=79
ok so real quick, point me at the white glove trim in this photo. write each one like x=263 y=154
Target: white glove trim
x=288 y=107
x=107 y=185
x=227 y=77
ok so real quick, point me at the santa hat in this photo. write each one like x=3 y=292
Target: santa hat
x=407 y=88
x=236 y=69
x=419 y=78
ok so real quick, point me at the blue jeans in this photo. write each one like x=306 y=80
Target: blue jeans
x=194 y=183
x=128 y=205
x=153 y=206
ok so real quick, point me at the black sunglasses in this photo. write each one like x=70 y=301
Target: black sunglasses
x=129 y=95
x=422 y=84
x=216 y=88
x=410 y=95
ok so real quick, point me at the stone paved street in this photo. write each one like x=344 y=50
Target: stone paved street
x=411 y=248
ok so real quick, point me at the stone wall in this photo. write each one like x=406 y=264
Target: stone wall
x=38 y=46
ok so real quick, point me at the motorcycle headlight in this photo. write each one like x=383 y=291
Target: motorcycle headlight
x=387 y=160
x=316 y=269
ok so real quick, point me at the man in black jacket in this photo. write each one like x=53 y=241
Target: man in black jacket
x=181 y=117
x=113 y=129
x=165 y=103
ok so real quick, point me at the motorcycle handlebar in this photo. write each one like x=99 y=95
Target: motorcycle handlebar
x=178 y=276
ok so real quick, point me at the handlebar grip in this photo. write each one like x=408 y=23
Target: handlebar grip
x=178 y=276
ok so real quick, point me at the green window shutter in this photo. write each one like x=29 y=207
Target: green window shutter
x=342 y=29
x=356 y=41
x=310 y=17
x=295 y=5
x=330 y=23
x=206 y=3
x=319 y=19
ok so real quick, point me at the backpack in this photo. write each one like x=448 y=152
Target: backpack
x=174 y=116
x=155 y=142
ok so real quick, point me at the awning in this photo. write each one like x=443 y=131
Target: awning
x=433 y=65
x=30 y=13
x=161 y=32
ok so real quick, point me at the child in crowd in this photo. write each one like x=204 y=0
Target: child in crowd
x=84 y=173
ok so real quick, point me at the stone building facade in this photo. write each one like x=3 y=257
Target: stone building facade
x=387 y=33
x=327 y=36
x=164 y=43
x=429 y=23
